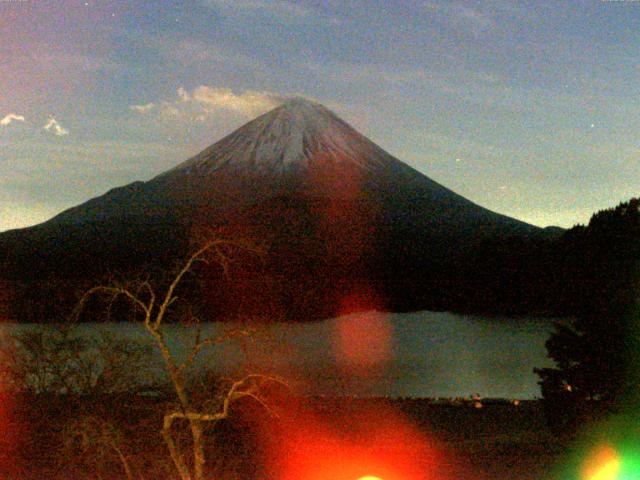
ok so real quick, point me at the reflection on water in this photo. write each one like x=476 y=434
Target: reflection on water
x=427 y=354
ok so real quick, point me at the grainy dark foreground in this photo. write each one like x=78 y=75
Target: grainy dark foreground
x=60 y=437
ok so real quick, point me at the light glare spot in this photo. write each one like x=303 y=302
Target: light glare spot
x=608 y=472
x=604 y=464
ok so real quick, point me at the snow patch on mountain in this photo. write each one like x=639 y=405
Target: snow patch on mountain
x=293 y=135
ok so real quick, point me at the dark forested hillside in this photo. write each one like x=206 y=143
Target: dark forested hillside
x=596 y=355
x=584 y=269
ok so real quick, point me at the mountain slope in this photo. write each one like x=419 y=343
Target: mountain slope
x=340 y=213
x=299 y=146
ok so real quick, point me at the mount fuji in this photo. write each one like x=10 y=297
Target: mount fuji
x=348 y=225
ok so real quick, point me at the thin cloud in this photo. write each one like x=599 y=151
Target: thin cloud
x=250 y=103
x=169 y=111
x=476 y=21
x=204 y=101
x=142 y=108
x=190 y=52
x=280 y=8
x=463 y=17
x=70 y=61
x=183 y=94
x=56 y=128
x=11 y=117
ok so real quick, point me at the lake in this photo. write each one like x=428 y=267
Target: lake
x=420 y=354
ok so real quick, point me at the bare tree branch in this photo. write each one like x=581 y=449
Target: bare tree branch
x=155 y=307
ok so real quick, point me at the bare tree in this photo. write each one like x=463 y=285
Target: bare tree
x=155 y=306
x=61 y=360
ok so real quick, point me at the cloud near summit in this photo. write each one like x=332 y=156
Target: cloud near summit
x=204 y=100
x=250 y=103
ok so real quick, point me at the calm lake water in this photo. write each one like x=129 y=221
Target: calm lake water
x=421 y=354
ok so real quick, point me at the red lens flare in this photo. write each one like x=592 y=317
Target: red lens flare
x=363 y=341
x=363 y=443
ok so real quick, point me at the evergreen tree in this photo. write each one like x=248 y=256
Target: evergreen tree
x=596 y=354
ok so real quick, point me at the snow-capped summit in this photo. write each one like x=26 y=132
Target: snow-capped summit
x=293 y=135
x=299 y=149
x=340 y=215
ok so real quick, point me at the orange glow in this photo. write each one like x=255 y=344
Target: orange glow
x=363 y=341
x=366 y=443
x=604 y=464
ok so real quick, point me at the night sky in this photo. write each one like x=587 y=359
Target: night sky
x=527 y=108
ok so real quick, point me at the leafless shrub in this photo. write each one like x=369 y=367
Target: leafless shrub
x=61 y=360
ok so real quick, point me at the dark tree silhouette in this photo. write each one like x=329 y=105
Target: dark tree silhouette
x=595 y=354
